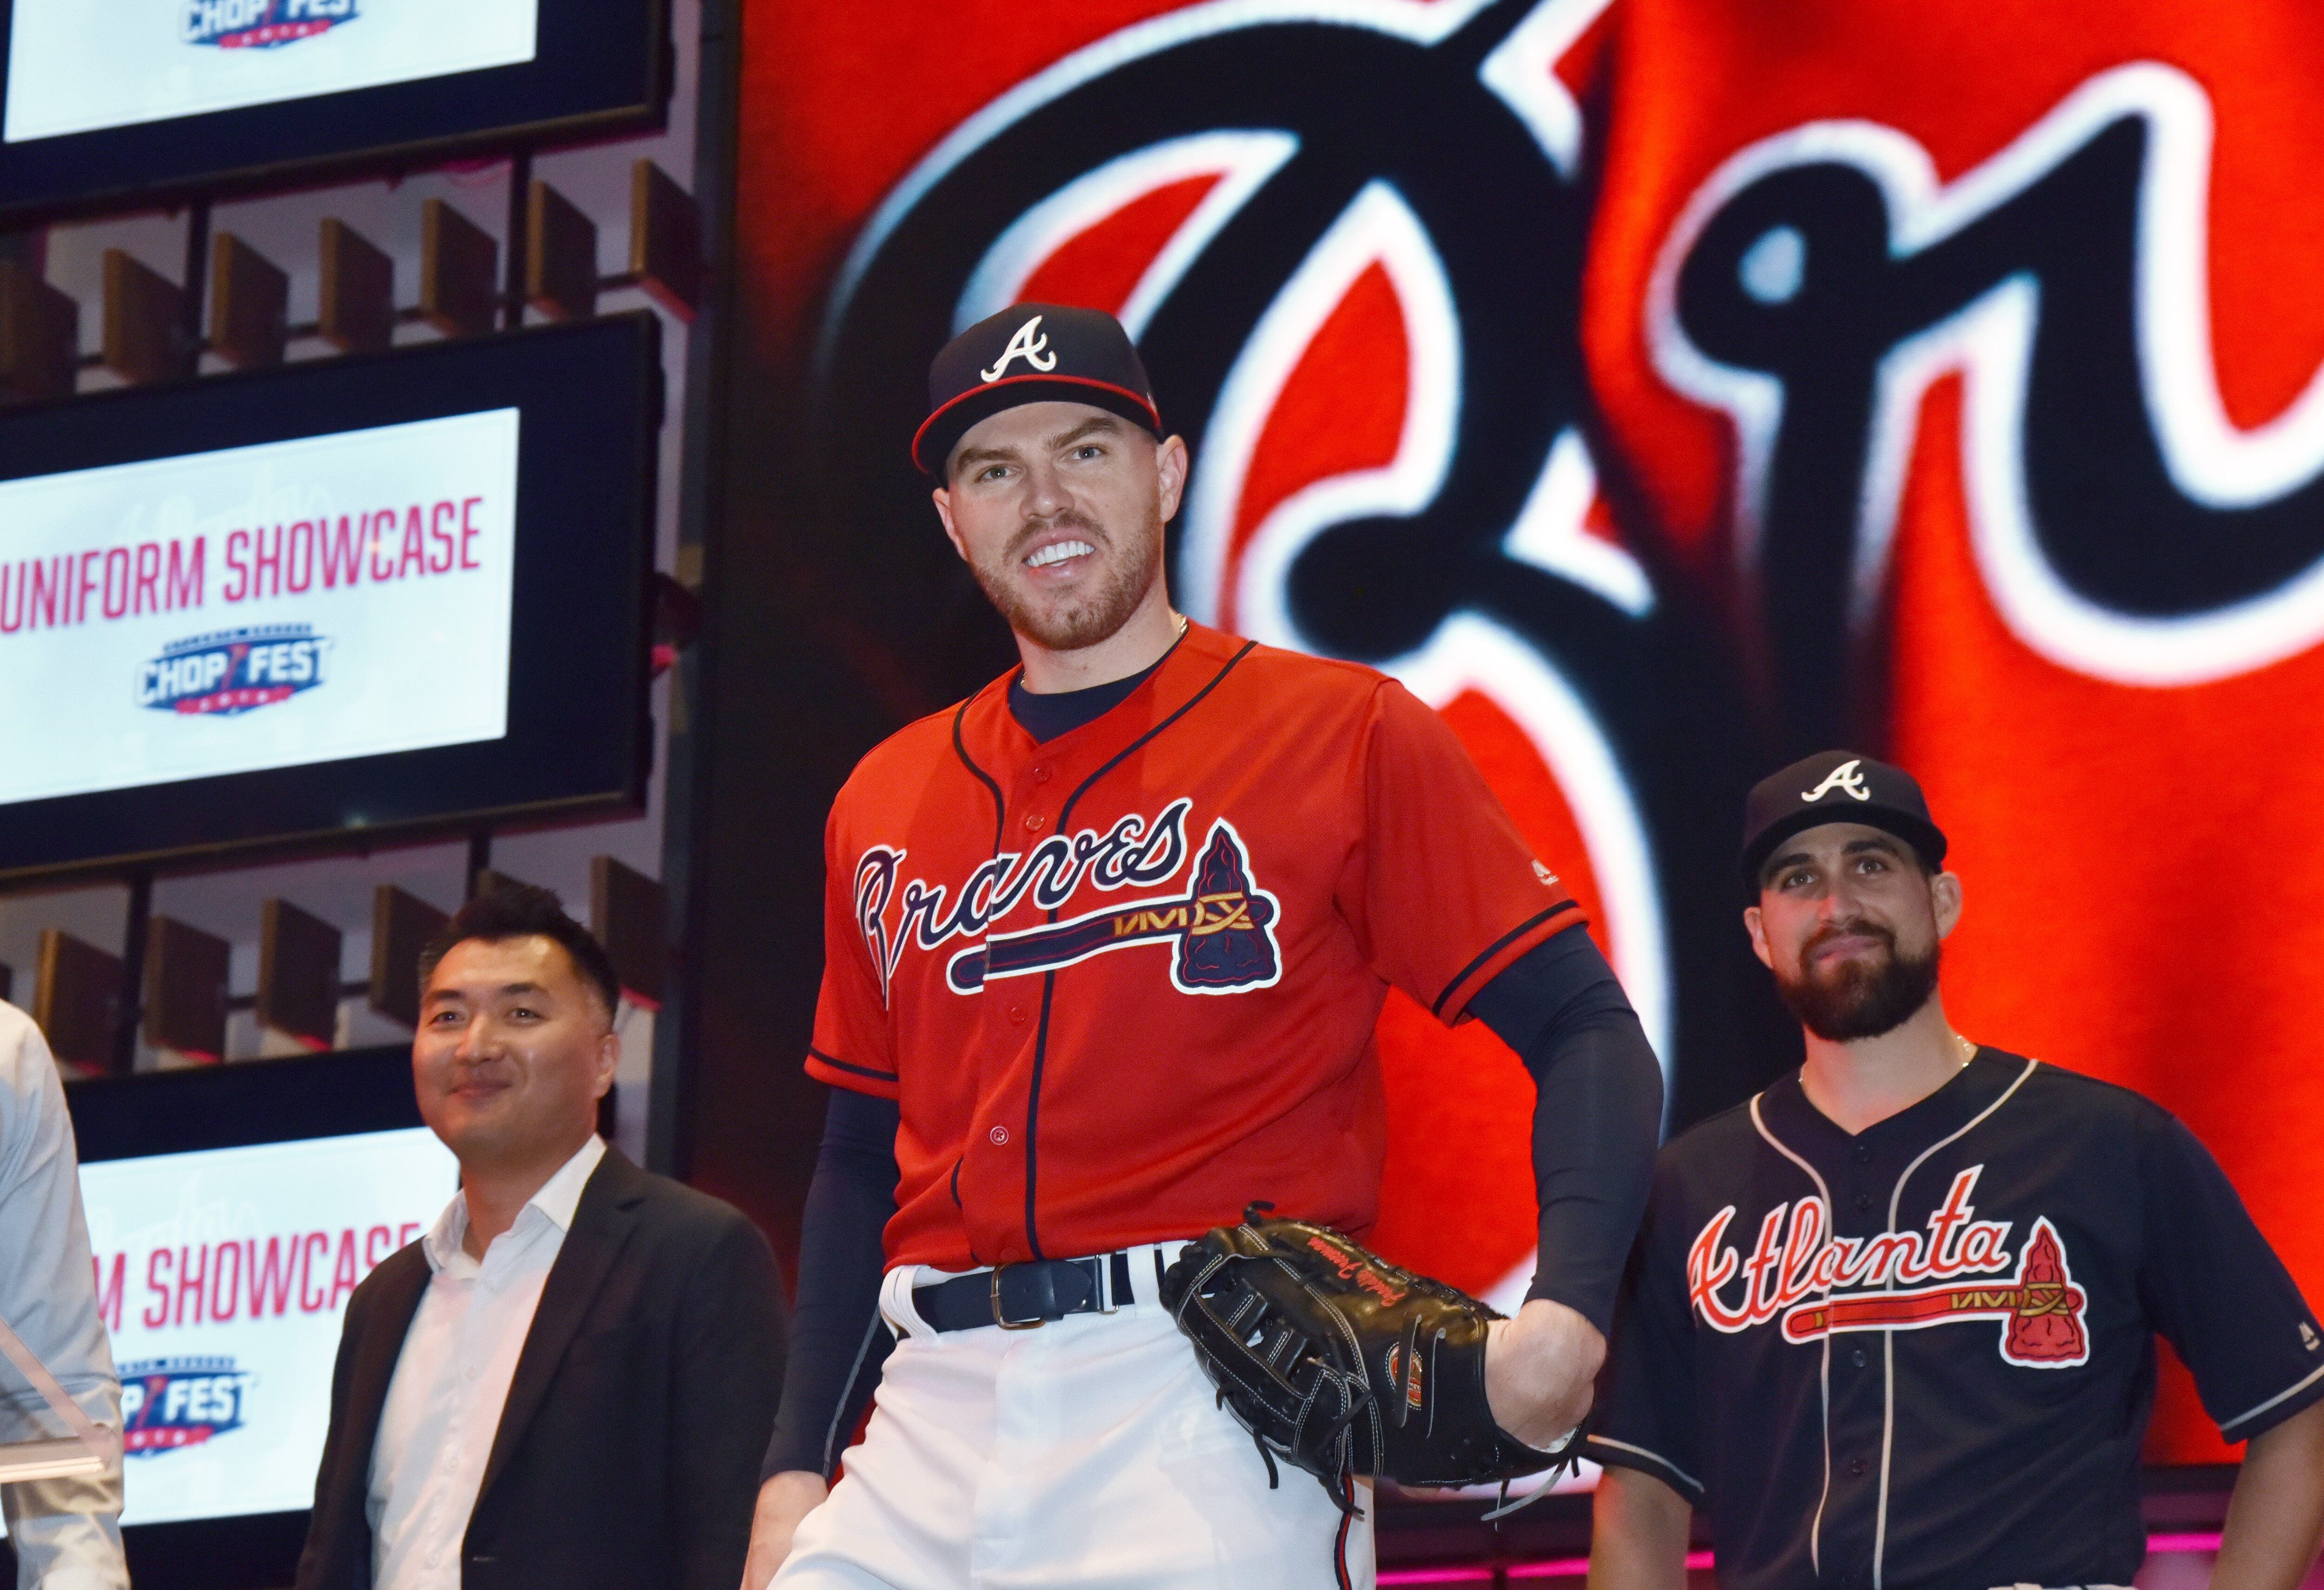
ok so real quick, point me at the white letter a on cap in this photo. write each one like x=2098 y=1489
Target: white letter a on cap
x=1025 y=346
x=1844 y=778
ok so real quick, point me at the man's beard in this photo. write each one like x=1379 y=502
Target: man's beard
x=1085 y=622
x=1857 y=999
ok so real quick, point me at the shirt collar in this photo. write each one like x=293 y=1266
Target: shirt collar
x=557 y=1200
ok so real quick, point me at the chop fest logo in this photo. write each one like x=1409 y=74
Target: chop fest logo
x=234 y=672
x=259 y=24
x=167 y=1403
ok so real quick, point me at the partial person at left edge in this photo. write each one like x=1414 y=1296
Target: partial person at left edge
x=66 y=1532
x=570 y=1378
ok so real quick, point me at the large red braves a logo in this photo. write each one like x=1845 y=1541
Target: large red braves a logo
x=1819 y=1285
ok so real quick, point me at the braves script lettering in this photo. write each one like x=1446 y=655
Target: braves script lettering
x=1222 y=928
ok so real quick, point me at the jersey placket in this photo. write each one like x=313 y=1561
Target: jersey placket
x=997 y=1153
x=1038 y=789
x=1033 y=813
x=1861 y=1380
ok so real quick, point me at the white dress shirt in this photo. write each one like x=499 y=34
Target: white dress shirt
x=452 y=1380
x=68 y=1531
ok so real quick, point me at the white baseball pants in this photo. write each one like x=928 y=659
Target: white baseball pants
x=1090 y=1452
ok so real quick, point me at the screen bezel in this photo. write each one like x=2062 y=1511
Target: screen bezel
x=579 y=740
x=590 y=77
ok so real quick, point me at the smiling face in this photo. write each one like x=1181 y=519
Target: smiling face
x=1849 y=922
x=1058 y=509
x=514 y=1050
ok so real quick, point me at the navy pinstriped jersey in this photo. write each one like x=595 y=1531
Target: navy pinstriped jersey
x=1924 y=1355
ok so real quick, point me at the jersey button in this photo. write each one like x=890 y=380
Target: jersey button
x=1863 y=1203
x=1856 y=1465
x=1863 y=1150
x=1041 y=774
x=1016 y=1015
x=1857 y=1358
x=1033 y=821
x=1000 y=1136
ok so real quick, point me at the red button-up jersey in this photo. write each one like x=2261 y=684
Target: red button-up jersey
x=1124 y=982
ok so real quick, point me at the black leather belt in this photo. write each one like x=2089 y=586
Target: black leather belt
x=1020 y=1297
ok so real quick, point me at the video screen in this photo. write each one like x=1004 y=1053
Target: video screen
x=335 y=603
x=223 y=1275
x=79 y=69
x=257 y=607
x=151 y=101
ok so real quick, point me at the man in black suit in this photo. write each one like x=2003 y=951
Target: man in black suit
x=570 y=1380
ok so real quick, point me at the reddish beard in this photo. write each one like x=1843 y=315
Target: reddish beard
x=1082 y=621
x=1861 y=998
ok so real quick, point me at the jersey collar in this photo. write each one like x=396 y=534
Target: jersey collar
x=1195 y=661
x=1788 y=1113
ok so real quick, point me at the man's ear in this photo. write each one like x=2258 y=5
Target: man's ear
x=609 y=1060
x=1756 y=926
x=1171 y=463
x=1945 y=896
x=943 y=498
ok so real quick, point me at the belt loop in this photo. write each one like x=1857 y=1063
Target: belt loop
x=896 y=1303
x=1147 y=1261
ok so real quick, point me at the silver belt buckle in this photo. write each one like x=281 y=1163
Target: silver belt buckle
x=1035 y=1323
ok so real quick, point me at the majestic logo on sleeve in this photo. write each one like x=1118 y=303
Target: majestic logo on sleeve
x=1819 y=1286
x=1220 y=929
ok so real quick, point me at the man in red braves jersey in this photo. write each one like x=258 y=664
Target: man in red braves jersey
x=1105 y=946
x=1891 y=1322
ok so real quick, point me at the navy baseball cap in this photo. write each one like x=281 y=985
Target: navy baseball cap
x=1836 y=787
x=1031 y=353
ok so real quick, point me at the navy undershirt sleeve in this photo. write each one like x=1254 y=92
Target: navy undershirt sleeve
x=1596 y=1115
x=837 y=1340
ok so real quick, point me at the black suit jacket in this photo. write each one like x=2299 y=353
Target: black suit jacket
x=627 y=1452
